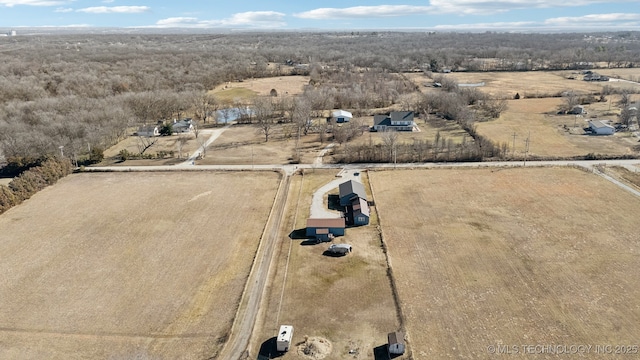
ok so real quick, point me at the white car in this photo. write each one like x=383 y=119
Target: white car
x=340 y=249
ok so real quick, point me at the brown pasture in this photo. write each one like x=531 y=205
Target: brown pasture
x=163 y=144
x=245 y=144
x=284 y=85
x=428 y=128
x=552 y=135
x=532 y=84
x=346 y=300
x=511 y=257
x=129 y=265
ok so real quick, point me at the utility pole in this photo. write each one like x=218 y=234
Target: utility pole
x=395 y=156
x=526 y=148
x=514 y=145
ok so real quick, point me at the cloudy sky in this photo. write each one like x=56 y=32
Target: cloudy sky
x=445 y=15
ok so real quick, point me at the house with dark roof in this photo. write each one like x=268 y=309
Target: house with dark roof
x=395 y=121
x=148 y=131
x=351 y=190
x=183 y=126
x=354 y=199
x=358 y=212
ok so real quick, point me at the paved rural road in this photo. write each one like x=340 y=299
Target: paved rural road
x=244 y=322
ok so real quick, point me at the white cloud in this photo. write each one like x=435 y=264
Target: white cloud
x=177 y=22
x=10 y=3
x=365 y=12
x=461 y=7
x=484 y=7
x=63 y=10
x=613 y=21
x=253 y=19
x=115 y=9
x=595 y=19
x=491 y=26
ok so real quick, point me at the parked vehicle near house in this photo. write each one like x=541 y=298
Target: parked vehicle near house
x=283 y=341
x=341 y=249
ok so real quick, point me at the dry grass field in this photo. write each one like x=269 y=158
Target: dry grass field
x=428 y=130
x=511 y=257
x=532 y=84
x=630 y=178
x=164 y=143
x=345 y=300
x=129 y=265
x=284 y=85
x=244 y=144
x=552 y=135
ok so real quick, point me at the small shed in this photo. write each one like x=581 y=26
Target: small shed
x=325 y=229
x=351 y=190
x=396 y=343
x=601 y=127
x=341 y=116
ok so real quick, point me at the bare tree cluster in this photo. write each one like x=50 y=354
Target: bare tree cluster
x=78 y=91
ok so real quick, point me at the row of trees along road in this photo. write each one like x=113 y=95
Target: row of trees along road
x=84 y=91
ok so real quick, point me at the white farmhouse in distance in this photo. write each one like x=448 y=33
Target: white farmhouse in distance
x=601 y=127
x=341 y=116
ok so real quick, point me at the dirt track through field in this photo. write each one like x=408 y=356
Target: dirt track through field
x=250 y=305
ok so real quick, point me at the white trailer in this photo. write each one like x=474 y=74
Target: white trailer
x=340 y=249
x=283 y=341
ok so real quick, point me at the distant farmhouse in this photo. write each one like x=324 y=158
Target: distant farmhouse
x=601 y=127
x=341 y=116
x=395 y=121
x=592 y=76
x=182 y=126
x=577 y=110
x=148 y=131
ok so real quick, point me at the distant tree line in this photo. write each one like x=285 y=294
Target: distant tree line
x=35 y=175
x=84 y=92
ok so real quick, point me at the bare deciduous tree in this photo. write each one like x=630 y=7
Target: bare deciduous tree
x=145 y=143
x=263 y=112
x=390 y=140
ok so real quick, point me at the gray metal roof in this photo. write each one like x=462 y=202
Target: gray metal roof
x=401 y=116
x=352 y=187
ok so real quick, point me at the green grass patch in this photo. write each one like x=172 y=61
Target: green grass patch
x=234 y=94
